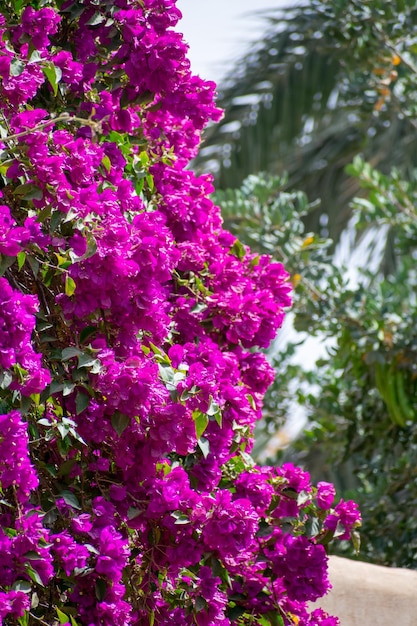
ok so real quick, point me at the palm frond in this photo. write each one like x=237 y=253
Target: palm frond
x=292 y=105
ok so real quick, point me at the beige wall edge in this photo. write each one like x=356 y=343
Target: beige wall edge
x=365 y=594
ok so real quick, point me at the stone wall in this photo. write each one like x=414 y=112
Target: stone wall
x=366 y=595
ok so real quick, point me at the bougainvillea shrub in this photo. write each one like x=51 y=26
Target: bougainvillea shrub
x=129 y=320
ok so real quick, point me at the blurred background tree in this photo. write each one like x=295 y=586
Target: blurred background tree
x=331 y=79
x=329 y=97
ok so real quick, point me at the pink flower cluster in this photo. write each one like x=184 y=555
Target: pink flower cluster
x=21 y=364
x=128 y=317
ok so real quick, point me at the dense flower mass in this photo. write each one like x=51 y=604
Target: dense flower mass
x=15 y=467
x=129 y=387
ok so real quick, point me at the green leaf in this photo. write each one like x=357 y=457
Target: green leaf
x=21 y=258
x=50 y=468
x=213 y=408
x=163 y=358
x=86 y=333
x=81 y=402
x=16 y=67
x=199 y=308
x=144 y=158
x=22 y=585
x=66 y=467
x=120 y=422
x=340 y=529
x=181 y=519
x=200 y=286
x=101 y=588
x=68 y=388
x=70 y=353
x=28 y=191
x=90 y=250
x=200 y=604
x=33 y=556
x=150 y=182
x=87 y=360
x=91 y=548
x=95 y=19
x=274 y=618
x=53 y=75
x=4 y=166
x=63 y=618
x=34 y=265
x=24 y=620
x=303 y=497
x=264 y=529
x=63 y=261
x=235 y=612
x=133 y=512
x=70 y=286
x=238 y=249
x=6 y=378
x=5 y=263
x=54 y=387
x=44 y=421
x=139 y=184
x=204 y=446
x=164 y=467
x=356 y=540
x=201 y=421
x=312 y=526
x=35 y=57
x=105 y=161
x=33 y=574
x=56 y=219
x=251 y=401
x=167 y=375
x=70 y=499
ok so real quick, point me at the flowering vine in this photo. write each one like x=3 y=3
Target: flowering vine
x=129 y=391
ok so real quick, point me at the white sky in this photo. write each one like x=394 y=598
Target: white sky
x=220 y=31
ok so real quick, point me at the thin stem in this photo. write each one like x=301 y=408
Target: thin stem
x=38 y=619
x=60 y=118
x=64 y=117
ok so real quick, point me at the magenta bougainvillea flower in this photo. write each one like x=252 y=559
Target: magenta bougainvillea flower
x=130 y=381
x=343 y=518
x=325 y=495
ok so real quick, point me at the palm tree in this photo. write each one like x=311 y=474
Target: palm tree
x=330 y=79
